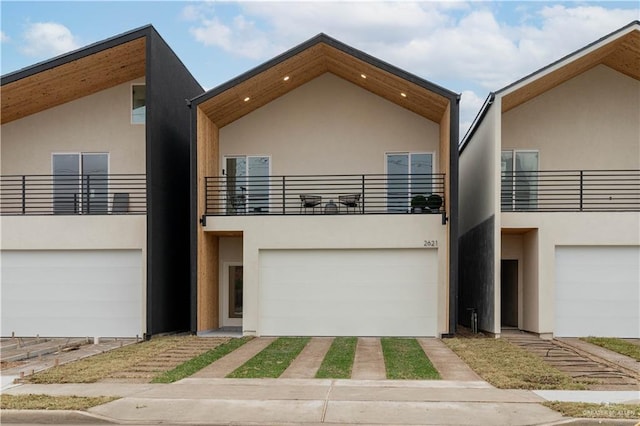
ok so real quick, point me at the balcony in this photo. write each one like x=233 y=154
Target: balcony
x=571 y=191
x=73 y=194
x=325 y=194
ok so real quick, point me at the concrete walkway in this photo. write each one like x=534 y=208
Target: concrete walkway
x=369 y=361
x=448 y=364
x=278 y=401
x=625 y=362
x=306 y=365
x=230 y=362
x=315 y=401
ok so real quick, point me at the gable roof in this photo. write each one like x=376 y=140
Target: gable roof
x=301 y=64
x=619 y=50
x=74 y=75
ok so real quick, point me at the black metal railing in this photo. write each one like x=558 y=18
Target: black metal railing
x=571 y=190
x=73 y=194
x=325 y=194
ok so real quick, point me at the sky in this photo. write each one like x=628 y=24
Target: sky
x=468 y=47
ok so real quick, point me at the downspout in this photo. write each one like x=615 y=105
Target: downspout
x=193 y=224
x=454 y=136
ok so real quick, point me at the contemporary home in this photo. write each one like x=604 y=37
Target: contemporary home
x=324 y=199
x=94 y=197
x=550 y=198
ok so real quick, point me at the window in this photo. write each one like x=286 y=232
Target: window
x=408 y=175
x=519 y=180
x=138 y=103
x=247 y=184
x=80 y=183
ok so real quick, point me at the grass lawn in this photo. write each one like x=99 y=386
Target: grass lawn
x=190 y=367
x=617 y=345
x=404 y=359
x=97 y=367
x=47 y=402
x=595 y=411
x=272 y=360
x=338 y=362
x=507 y=366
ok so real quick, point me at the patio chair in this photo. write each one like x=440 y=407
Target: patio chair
x=350 y=201
x=309 y=202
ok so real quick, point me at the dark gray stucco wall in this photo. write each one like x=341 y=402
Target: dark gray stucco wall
x=477 y=288
x=169 y=84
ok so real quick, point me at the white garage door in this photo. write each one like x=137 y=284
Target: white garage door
x=598 y=291
x=72 y=293
x=348 y=292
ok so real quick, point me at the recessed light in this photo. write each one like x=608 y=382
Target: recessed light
x=247 y=99
x=404 y=95
x=363 y=76
x=286 y=78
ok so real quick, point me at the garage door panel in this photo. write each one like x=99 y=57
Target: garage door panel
x=348 y=292
x=72 y=293
x=598 y=291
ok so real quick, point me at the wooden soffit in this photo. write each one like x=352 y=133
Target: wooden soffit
x=270 y=84
x=622 y=55
x=73 y=80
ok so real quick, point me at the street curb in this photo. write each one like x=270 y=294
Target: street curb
x=71 y=417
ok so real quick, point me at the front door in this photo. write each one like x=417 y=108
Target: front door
x=509 y=292
x=231 y=295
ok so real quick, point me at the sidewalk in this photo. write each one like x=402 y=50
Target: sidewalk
x=299 y=401
x=307 y=401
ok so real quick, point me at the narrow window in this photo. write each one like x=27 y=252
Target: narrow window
x=138 y=103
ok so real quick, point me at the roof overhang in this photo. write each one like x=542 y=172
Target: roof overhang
x=73 y=76
x=256 y=88
x=619 y=51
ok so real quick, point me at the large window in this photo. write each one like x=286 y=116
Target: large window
x=247 y=184
x=138 y=103
x=80 y=183
x=408 y=174
x=519 y=180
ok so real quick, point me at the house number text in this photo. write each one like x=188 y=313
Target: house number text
x=431 y=243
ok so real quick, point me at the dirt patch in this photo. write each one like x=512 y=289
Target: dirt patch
x=144 y=371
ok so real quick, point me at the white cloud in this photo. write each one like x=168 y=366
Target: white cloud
x=436 y=40
x=470 y=104
x=43 y=39
x=3 y=37
x=467 y=47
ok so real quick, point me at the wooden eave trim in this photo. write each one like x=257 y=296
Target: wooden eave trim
x=225 y=104
x=73 y=79
x=603 y=52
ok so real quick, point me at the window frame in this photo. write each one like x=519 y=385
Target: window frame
x=513 y=205
x=131 y=108
x=81 y=174
x=409 y=174
x=224 y=172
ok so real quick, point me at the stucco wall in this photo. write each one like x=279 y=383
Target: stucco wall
x=97 y=123
x=79 y=232
x=332 y=232
x=561 y=229
x=329 y=126
x=479 y=234
x=588 y=122
x=477 y=172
